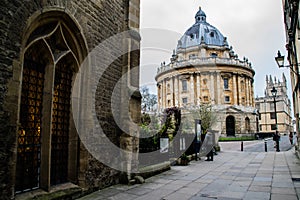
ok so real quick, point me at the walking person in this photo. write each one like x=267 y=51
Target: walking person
x=291 y=137
x=210 y=146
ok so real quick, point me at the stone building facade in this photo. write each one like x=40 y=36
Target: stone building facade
x=291 y=15
x=265 y=106
x=205 y=69
x=43 y=45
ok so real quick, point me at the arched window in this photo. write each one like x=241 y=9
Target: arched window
x=51 y=59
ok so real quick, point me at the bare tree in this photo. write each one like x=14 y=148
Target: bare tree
x=149 y=101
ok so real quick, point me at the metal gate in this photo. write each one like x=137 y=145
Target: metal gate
x=60 y=124
x=29 y=133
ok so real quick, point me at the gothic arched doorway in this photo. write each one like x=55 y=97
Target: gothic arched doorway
x=230 y=126
x=47 y=143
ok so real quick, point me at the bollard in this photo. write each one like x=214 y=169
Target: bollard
x=266 y=147
x=242 y=146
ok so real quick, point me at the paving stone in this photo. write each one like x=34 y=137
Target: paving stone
x=123 y=195
x=178 y=196
x=155 y=195
x=281 y=190
x=241 y=183
x=231 y=195
x=260 y=188
x=263 y=179
x=262 y=183
x=283 y=184
x=257 y=196
x=152 y=186
x=189 y=190
x=139 y=191
x=236 y=188
x=283 y=197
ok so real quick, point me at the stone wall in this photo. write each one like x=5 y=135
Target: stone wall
x=96 y=20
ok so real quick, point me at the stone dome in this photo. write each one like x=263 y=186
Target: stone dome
x=201 y=33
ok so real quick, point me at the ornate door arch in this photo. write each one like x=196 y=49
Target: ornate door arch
x=51 y=59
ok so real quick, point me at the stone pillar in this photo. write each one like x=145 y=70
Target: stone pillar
x=247 y=92
x=165 y=94
x=252 y=92
x=176 y=91
x=198 y=89
x=47 y=128
x=239 y=94
x=179 y=92
x=130 y=117
x=219 y=88
x=158 y=96
x=161 y=95
x=172 y=91
x=211 y=88
x=192 y=92
x=234 y=89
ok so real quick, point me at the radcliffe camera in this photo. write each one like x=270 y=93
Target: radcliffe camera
x=149 y=99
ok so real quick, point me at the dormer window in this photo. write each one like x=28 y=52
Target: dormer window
x=212 y=34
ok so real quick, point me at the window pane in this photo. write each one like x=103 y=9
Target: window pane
x=184 y=100
x=184 y=85
x=225 y=83
x=227 y=99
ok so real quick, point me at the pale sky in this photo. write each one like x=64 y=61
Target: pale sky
x=254 y=28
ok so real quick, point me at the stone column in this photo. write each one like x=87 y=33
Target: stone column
x=252 y=92
x=163 y=97
x=131 y=114
x=179 y=91
x=46 y=126
x=219 y=86
x=211 y=88
x=176 y=91
x=247 y=92
x=158 y=96
x=238 y=91
x=234 y=89
x=172 y=91
x=198 y=89
x=192 y=92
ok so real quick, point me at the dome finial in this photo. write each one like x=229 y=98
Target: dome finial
x=200 y=16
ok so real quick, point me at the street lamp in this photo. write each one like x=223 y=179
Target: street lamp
x=280 y=62
x=276 y=137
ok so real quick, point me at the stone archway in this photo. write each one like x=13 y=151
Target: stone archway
x=47 y=141
x=230 y=125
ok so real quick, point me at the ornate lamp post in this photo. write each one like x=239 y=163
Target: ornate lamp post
x=274 y=93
